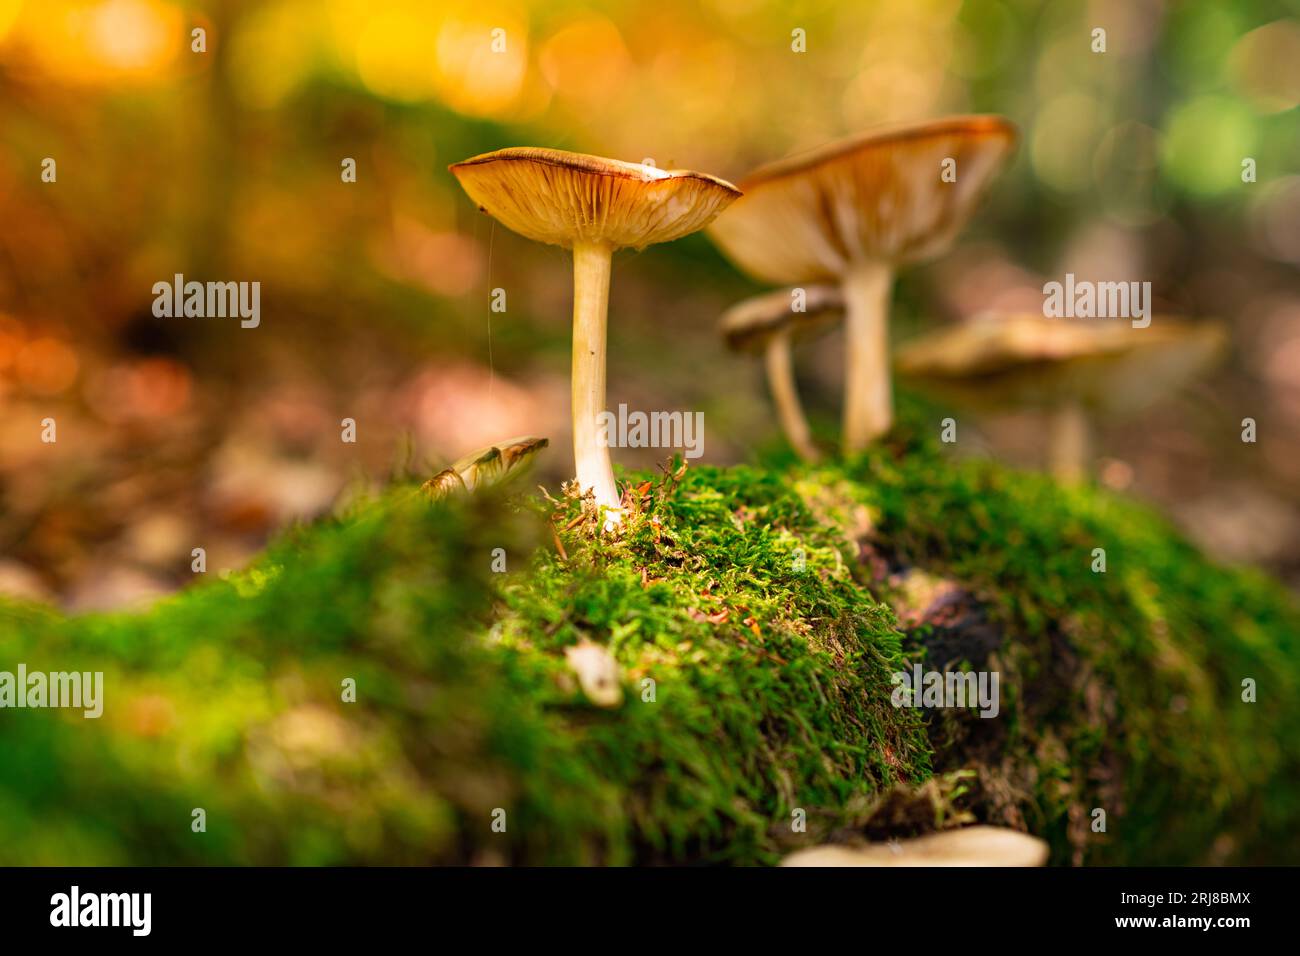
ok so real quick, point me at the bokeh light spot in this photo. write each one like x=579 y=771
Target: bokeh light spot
x=1206 y=140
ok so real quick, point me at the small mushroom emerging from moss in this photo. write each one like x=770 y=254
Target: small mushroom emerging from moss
x=485 y=466
x=593 y=206
x=768 y=324
x=853 y=212
x=1073 y=369
x=970 y=846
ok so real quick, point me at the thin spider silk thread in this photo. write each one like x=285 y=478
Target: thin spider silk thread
x=492 y=231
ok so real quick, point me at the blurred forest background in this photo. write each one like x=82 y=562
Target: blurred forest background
x=176 y=433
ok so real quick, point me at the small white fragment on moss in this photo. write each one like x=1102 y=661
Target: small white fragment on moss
x=598 y=673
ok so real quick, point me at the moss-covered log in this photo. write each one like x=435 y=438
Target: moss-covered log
x=751 y=613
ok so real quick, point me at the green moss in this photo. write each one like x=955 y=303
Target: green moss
x=770 y=669
x=770 y=693
x=1123 y=690
x=755 y=600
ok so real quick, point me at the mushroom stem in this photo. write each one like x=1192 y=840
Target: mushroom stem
x=780 y=378
x=1067 y=454
x=868 y=395
x=591 y=264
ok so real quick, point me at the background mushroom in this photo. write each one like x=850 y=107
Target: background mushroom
x=969 y=846
x=769 y=324
x=853 y=212
x=1071 y=368
x=592 y=206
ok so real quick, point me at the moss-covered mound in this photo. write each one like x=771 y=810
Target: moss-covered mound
x=750 y=612
x=1164 y=690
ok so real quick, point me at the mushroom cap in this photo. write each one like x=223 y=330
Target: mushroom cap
x=970 y=846
x=749 y=325
x=563 y=198
x=999 y=361
x=878 y=196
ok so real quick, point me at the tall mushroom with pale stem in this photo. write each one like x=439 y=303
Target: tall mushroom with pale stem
x=769 y=324
x=1074 y=369
x=593 y=206
x=853 y=212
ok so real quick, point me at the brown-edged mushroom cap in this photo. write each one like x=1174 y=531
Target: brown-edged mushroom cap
x=565 y=199
x=879 y=196
x=969 y=846
x=593 y=206
x=749 y=325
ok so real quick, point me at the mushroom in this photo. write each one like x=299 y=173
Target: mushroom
x=969 y=846
x=1072 y=368
x=769 y=324
x=486 y=466
x=853 y=212
x=592 y=206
